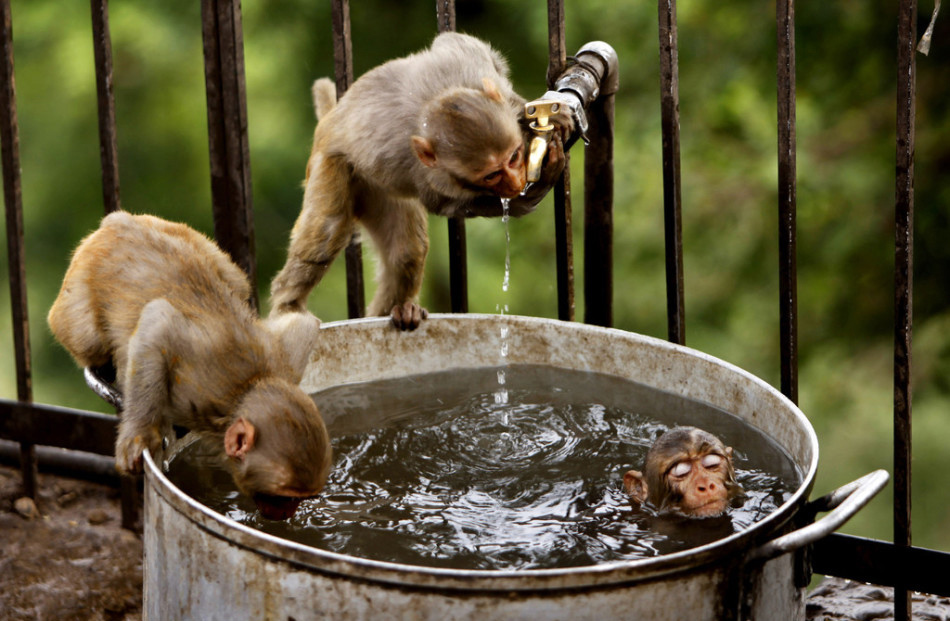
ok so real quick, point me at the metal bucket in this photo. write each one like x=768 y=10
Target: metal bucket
x=202 y=565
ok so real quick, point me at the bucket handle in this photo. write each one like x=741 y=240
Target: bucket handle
x=106 y=391
x=843 y=503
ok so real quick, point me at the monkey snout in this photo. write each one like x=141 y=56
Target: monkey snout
x=710 y=488
x=513 y=182
x=276 y=508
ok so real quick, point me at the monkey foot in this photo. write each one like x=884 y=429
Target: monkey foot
x=408 y=316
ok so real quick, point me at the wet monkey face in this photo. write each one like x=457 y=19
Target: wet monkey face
x=687 y=472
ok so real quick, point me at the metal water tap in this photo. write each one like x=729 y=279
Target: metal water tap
x=592 y=73
x=540 y=111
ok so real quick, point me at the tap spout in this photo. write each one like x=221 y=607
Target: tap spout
x=540 y=111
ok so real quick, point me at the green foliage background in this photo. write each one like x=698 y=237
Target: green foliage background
x=846 y=77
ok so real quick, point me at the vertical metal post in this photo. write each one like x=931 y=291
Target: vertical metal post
x=672 y=189
x=227 y=133
x=343 y=74
x=458 y=265
x=598 y=211
x=563 y=218
x=445 y=15
x=102 y=47
x=787 y=198
x=130 y=496
x=13 y=203
x=458 y=253
x=903 y=288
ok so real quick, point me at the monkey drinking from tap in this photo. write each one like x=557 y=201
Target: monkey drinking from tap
x=168 y=308
x=440 y=131
x=688 y=472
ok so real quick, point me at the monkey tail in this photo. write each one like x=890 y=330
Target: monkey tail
x=324 y=96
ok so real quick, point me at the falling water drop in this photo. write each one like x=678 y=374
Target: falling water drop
x=501 y=395
x=503 y=333
x=504 y=218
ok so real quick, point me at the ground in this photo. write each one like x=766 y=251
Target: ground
x=67 y=557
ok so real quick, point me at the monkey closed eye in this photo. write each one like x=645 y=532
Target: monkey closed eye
x=681 y=469
x=513 y=168
x=492 y=178
x=712 y=461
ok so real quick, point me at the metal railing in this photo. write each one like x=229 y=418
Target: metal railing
x=897 y=564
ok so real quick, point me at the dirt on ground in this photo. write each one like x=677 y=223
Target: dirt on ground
x=839 y=599
x=66 y=556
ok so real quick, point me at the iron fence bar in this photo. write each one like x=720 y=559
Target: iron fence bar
x=598 y=211
x=881 y=562
x=903 y=290
x=563 y=218
x=73 y=464
x=13 y=203
x=672 y=187
x=343 y=75
x=130 y=498
x=458 y=252
x=50 y=425
x=787 y=199
x=102 y=49
x=227 y=133
x=564 y=243
x=445 y=15
x=458 y=265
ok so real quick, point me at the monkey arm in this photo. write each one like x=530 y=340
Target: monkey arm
x=399 y=229
x=321 y=232
x=146 y=385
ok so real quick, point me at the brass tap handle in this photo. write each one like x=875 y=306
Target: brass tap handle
x=541 y=111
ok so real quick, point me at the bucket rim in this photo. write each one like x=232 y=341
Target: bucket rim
x=728 y=549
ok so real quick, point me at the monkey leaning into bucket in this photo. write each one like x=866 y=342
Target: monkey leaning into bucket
x=169 y=309
x=441 y=131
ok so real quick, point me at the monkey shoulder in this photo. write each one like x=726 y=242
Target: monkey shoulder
x=117 y=220
x=453 y=60
x=470 y=47
x=209 y=359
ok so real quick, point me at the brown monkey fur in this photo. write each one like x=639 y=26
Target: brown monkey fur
x=440 y=131
x=168 y=308
x=688 y=472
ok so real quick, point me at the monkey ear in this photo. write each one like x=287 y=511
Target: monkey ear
x=491 y=90
x=239 y=438
x=297 y=333
x=635 y=485
x=424 y=151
